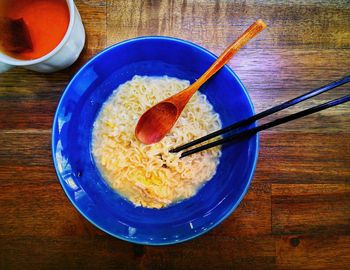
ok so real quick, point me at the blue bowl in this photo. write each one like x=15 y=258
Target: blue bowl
x=81 y=180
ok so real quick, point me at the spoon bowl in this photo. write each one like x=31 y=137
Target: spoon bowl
x=162 y=116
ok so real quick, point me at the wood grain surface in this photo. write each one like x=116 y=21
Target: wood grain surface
x=296 y=214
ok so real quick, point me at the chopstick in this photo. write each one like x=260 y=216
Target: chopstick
x=277 y=122
x=277 y=108
x=270 y=111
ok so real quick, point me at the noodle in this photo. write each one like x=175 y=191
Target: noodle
x=148 y=175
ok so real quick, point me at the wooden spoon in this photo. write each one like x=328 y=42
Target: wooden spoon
x=157 y=121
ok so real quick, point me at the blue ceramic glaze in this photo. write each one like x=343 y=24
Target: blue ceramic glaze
x=72 y=130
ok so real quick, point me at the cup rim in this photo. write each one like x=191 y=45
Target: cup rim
x=17 y=62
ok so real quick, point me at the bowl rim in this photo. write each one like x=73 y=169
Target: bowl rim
x=53 y=138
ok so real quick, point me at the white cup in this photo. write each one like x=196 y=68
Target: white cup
x=65 y=53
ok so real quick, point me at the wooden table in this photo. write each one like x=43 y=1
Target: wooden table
x=296 y=214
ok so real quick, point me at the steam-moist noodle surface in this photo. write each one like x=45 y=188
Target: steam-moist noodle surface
x=148 y=175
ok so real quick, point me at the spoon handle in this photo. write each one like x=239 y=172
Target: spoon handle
x=251 y=32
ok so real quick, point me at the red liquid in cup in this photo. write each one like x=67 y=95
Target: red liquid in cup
x=46 y=20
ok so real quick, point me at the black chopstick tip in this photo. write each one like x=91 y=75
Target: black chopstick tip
x=172 y=150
